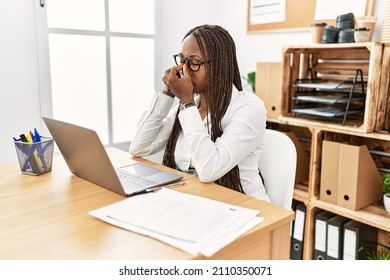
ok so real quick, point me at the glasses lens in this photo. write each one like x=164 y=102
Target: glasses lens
x=177 y=59
x=194 y=64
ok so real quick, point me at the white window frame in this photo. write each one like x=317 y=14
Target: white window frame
x=42 y=35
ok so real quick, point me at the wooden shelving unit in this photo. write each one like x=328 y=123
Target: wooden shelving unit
x=373 y=128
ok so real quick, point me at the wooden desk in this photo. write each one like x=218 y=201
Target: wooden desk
x=46 y=217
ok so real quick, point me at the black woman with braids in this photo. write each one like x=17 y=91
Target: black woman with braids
x=217 y=129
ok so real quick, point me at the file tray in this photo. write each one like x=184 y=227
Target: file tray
x=35 y=158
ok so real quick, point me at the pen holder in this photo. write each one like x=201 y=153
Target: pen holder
x=35 y=158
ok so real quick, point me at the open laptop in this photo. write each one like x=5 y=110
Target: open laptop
x=86 y=157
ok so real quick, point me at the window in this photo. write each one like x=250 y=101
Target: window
x=100 y=69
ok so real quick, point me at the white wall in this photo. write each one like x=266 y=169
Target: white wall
x=19 y=91
x=19 y=88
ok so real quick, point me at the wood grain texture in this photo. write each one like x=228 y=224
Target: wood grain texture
x=46 y=217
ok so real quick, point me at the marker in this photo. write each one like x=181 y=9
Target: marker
x=37 y=137
x=36 y=162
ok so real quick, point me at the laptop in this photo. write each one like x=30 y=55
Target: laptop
x=86 y=157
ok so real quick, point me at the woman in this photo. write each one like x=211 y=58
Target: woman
x=216 y=131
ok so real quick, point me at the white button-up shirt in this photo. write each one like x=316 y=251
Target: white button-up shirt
x=240 y=144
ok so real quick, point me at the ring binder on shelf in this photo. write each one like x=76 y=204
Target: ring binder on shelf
x=359 y=239
x=296 y=250
x=320 y=237
x=335 y=237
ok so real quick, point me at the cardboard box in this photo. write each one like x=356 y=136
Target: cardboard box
x=268 y=87
x=329 y=171
x=359 y=178
x=303 y=160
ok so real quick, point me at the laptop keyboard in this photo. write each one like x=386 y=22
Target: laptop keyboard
x=132 y=182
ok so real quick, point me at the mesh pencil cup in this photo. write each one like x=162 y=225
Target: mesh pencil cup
x=35 y=158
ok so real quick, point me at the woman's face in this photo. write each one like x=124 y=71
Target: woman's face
x=190 y=49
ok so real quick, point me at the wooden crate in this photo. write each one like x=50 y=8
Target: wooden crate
x=365 y=56
x=384 y=102
x=379 y=146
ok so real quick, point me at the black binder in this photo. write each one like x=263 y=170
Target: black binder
x=296 y=249
x=335 y=237
x=359 y=239
x=320 y=236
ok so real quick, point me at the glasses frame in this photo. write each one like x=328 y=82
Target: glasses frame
x=188 y=60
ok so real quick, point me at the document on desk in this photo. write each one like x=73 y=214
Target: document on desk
x=191 y=223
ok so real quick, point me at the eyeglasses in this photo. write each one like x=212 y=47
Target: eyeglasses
x=193 y=63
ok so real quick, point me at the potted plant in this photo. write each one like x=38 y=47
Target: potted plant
x=381 y=255
x=362 y=34
x=386 y=191
x=251 y=79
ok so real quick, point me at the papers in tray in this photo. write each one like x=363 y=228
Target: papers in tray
x=328 y=99
x=191 y=223
x=326 y=111
x=324 y=85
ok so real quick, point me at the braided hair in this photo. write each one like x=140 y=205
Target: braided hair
x=217 y=46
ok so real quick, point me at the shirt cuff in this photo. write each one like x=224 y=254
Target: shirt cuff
x=190 y=120
x=161 y=104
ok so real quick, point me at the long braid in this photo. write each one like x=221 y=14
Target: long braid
x=217 y=46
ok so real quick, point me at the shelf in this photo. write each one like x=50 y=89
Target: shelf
x=312 y=105
x=310 y=124
x=374 y=215
x=301 y=194
x=311 y=72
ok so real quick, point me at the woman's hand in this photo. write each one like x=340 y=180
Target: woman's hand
x=182 y=86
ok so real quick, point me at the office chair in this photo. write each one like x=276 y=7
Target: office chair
x=277 y=164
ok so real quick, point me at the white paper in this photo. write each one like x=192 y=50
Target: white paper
x=267 y=11
x=330 y=9
x=191 y=223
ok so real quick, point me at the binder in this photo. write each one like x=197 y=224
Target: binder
x=335 y=235
x=359 y=239
x=320 y=236
x=296 y=249
x=293 y=208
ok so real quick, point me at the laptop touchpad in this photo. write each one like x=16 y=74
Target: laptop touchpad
x=140 y=170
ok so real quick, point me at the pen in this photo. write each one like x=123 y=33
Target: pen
x=158 y=188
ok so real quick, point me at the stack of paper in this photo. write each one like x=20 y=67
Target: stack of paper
x=191 y=223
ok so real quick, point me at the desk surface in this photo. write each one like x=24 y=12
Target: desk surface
x=46 y=217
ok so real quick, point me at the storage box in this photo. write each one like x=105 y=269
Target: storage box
x=268 y=87
x=359 y=178
x=35 y=158
x=330 y=171
x=349 y=176
x=303 y=160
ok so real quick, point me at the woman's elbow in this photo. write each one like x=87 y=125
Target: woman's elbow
x=136 y=151
x=206 y=177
